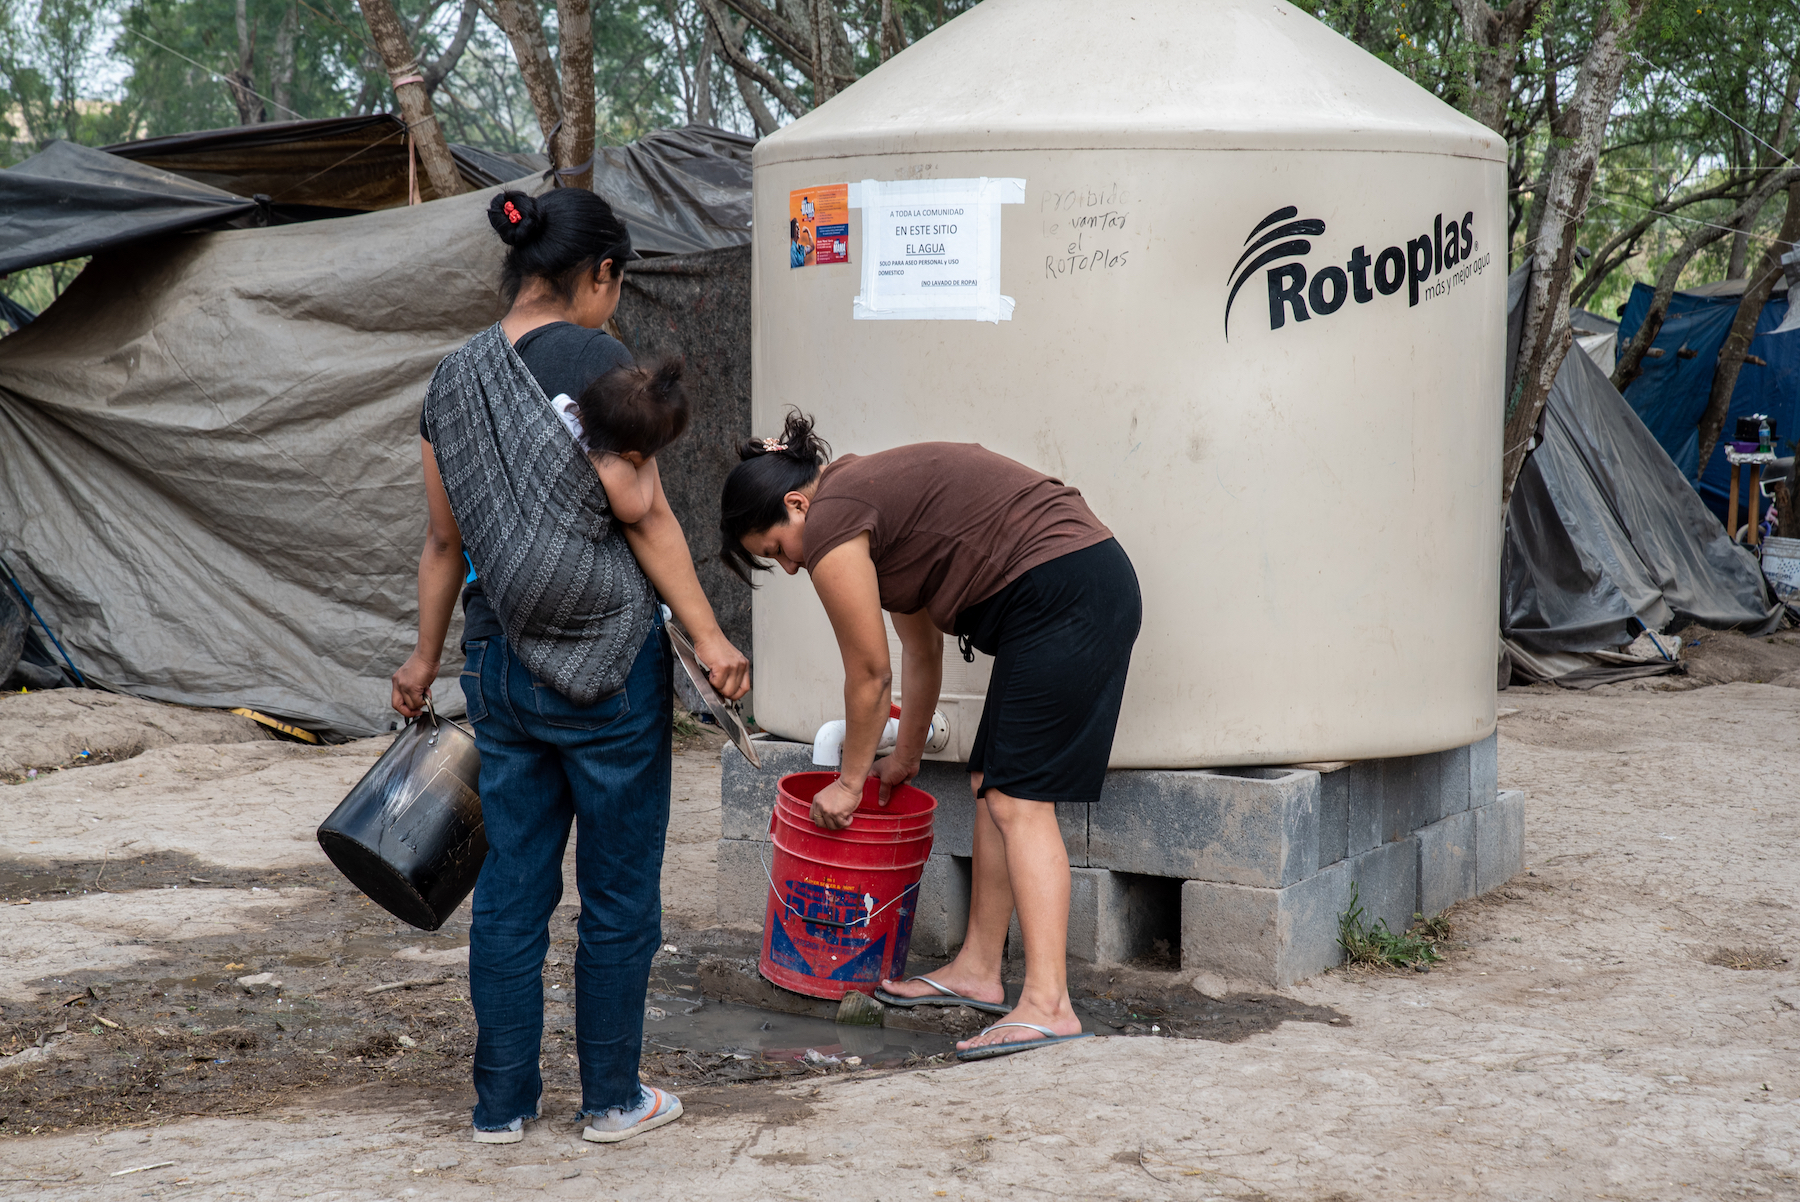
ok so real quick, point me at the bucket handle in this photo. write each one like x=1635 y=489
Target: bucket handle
x=864 y=921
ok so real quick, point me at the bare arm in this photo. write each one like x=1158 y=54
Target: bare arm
x=662 y=552
x=440 y=580
x=631 y=488
x=846 y=584
x=922 y=677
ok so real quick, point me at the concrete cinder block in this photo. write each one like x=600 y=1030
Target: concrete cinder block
x=1446 y=862
x=1499 y=841
x=1248 y=826
x=1334 y=809
x=1275 y=937
x=943 y=912
x=1405 y=782
x=1387 y=884
x=1453 y=781
x=1114 y=916
x=1262 y=937
x=1360 y=784
x=743 y=881
x=1484 y=771
x=746 y=794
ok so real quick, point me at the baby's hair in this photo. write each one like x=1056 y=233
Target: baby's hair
x=641 y=408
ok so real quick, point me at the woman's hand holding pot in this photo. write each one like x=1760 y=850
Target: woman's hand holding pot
x=411 y=683
x=726 y=666
x=834 y=805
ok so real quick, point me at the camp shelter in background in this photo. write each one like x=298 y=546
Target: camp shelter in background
x=212 y=487
x=1606 y=539
x=1676 y=383
x=1597 y=336
x=680 y=190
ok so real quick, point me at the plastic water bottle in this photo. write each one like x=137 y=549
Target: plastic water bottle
x=1762 y=437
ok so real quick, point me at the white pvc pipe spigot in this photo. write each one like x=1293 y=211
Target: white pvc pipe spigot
x=828 y=744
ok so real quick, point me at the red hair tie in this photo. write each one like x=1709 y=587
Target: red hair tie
x=512 y=214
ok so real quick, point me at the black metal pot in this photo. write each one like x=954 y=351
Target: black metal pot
x=409 y=835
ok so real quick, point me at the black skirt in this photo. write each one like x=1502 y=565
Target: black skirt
x=1061 y=638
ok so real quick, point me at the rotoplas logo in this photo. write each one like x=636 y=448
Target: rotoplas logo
x=1445 y=250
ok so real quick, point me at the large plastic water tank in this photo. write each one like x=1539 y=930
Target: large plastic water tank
x=1235 y=279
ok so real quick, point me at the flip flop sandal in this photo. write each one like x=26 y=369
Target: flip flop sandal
x=943 y=997
x=990 y=1050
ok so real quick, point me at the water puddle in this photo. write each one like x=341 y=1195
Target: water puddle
x=692 y=1024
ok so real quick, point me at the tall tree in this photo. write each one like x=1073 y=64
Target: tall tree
x=409 y=90
x=1578 y=131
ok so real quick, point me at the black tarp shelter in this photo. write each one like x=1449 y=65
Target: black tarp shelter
x=1605 y=537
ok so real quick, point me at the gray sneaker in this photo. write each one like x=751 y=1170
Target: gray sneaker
x=655 y=1107
x=512 y=1133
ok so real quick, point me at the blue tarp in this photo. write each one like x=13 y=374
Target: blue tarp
x=1671 y=394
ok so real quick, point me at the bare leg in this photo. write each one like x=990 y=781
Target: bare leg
x=975 y=972
x=1037 y=868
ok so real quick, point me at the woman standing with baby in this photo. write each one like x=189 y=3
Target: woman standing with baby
x=553 y=526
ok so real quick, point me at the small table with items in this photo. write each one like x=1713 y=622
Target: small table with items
x=1738 y=459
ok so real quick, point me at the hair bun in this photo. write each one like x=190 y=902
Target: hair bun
x=516 y=217
x=796 y=441
x=666 y=376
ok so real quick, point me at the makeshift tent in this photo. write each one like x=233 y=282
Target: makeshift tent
x=212 y=485
x=1597 y=336
x=1673 y=390
x=680 y=191
x=67 y=201
x=1605 y=538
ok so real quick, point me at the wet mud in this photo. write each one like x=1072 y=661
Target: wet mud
x=341 y=998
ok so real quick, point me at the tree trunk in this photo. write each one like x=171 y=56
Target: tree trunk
x=281 y=70
x=1563 y=193
x=242 y=81
x=519 y=20
x=575 y=52
x=1496 y=36
x=703 y=98
x=409 y=89
x=1743 y=328
x=1631 y=356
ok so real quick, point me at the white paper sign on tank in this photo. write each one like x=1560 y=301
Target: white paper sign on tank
x=931 y=248
x=1312 y=498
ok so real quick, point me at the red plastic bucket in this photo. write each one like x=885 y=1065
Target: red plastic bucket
x=841 y=903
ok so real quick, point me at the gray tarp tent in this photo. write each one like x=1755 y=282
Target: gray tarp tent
x=212 y=483
x=1604 y=536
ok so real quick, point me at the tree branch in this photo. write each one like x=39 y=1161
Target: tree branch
x=1631 y=358
x=745 y=65
x=446 y=62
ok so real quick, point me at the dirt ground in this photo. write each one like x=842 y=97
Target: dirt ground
x=1619 y=1022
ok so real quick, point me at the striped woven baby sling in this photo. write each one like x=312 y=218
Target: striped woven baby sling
x=535 y=523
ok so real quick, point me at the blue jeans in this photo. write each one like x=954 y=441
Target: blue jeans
x=547 y=762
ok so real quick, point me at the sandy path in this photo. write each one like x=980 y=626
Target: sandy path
x=1581 y=1046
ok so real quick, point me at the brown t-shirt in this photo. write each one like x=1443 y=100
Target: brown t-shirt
x=950 y=523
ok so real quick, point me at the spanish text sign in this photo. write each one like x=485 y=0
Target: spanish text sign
x=931 y=248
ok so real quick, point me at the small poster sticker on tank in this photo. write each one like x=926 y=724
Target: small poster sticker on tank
x=931 y=248
x=819 y=225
